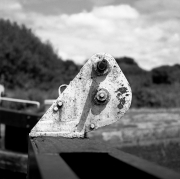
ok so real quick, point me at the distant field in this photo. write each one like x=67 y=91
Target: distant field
x=152 y=134
x=142 y=127
x=164 y=154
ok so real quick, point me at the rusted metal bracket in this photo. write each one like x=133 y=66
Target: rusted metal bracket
x=99 y=95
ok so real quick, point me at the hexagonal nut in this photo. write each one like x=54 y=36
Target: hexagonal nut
x=101 y=96
x=101 y=67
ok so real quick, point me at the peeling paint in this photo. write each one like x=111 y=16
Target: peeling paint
x=121 y=103
x=122 y=90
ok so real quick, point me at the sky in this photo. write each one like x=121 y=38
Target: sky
x=146 y=30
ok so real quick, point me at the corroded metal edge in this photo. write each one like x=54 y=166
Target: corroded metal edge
x=75 y=111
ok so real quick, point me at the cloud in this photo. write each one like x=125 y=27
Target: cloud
x=78 y=36
x=159 y=8
x=10 y=5
x=120 y=30
x=116 y=12
x=11 y=9
x=101 y=2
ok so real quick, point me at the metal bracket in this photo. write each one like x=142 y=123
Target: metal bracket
x=99 y=95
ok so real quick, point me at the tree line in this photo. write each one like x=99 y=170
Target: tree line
x=30 y=69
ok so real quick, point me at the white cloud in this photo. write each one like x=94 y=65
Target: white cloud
x=85 y=33
x=10 y=5
x=116 y=12
x=119 y=30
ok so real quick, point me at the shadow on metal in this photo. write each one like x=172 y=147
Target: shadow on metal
x=51 y=157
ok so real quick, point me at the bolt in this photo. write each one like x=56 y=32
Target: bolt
x=102 y=65
x=92 y=126
x=101 y=95
x=55 y=109
x=59 y=103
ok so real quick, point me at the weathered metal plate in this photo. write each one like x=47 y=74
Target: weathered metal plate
x=92 y=100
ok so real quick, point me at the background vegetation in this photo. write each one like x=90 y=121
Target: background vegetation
x=30 y=69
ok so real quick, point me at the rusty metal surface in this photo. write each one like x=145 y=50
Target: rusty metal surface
x=99 y=95
x=59 y=157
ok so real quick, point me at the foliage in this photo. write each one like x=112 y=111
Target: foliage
x=28 y=63
x=166 y=74
x=156 y=88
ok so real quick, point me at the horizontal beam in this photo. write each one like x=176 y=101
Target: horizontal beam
x=47 y=166
x=20 y=101
x=18 y=118
x=88 y=158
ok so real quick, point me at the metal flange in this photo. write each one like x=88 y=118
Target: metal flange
x=99 y=95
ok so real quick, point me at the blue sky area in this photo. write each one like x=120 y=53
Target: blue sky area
x=147 y=30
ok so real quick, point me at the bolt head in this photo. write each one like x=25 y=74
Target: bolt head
x=92 y=126
x=55 y=109
x=60 y=103
x=102 y=65
x=101 y=96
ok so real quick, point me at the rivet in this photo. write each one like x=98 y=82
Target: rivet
x=55 y=109
x=92 y=126
x=60 y=103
